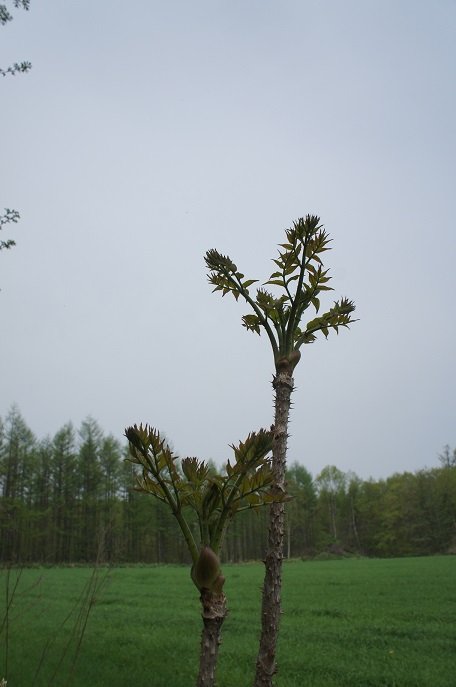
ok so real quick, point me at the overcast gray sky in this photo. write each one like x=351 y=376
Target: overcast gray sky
x=149 y=132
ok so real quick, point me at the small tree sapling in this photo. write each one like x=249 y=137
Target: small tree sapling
x=190 y=485
x=300 y=279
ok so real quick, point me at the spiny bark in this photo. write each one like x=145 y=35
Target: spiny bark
x=214 y=613
x=266 y=665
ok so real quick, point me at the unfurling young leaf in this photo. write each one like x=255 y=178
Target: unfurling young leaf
x=252 y=322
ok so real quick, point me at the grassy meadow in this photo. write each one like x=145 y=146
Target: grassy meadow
x=346 y=623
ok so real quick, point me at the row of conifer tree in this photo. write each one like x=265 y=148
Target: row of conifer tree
x=70 y=499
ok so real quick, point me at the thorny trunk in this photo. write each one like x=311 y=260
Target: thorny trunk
x=266 y=665
x=214 y=613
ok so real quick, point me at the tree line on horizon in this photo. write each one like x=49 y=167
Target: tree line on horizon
x=70 y=498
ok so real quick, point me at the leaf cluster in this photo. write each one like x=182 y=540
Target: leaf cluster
x=6 y=218
x=5 y=17
x=190 y=484
x=300 y=277
x=16 y=68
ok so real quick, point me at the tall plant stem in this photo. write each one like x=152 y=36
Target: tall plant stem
x=214 y=613
x=266 y=665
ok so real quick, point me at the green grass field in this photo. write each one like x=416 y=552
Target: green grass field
x=350 y=623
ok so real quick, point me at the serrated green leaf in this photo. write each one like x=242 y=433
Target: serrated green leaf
x=316 y=303
x=248 y=283
x=309 y=338
x=291 y=268
x=311 y=268
x=313 y=323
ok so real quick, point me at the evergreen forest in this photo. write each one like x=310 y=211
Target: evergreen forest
x=70 y=499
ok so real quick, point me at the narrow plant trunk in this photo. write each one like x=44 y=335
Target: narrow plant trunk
x=354 y=525
x=289 y=540
x=266 y=665
x=214 y=613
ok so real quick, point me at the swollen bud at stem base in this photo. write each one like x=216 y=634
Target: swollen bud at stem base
x=206 y=571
